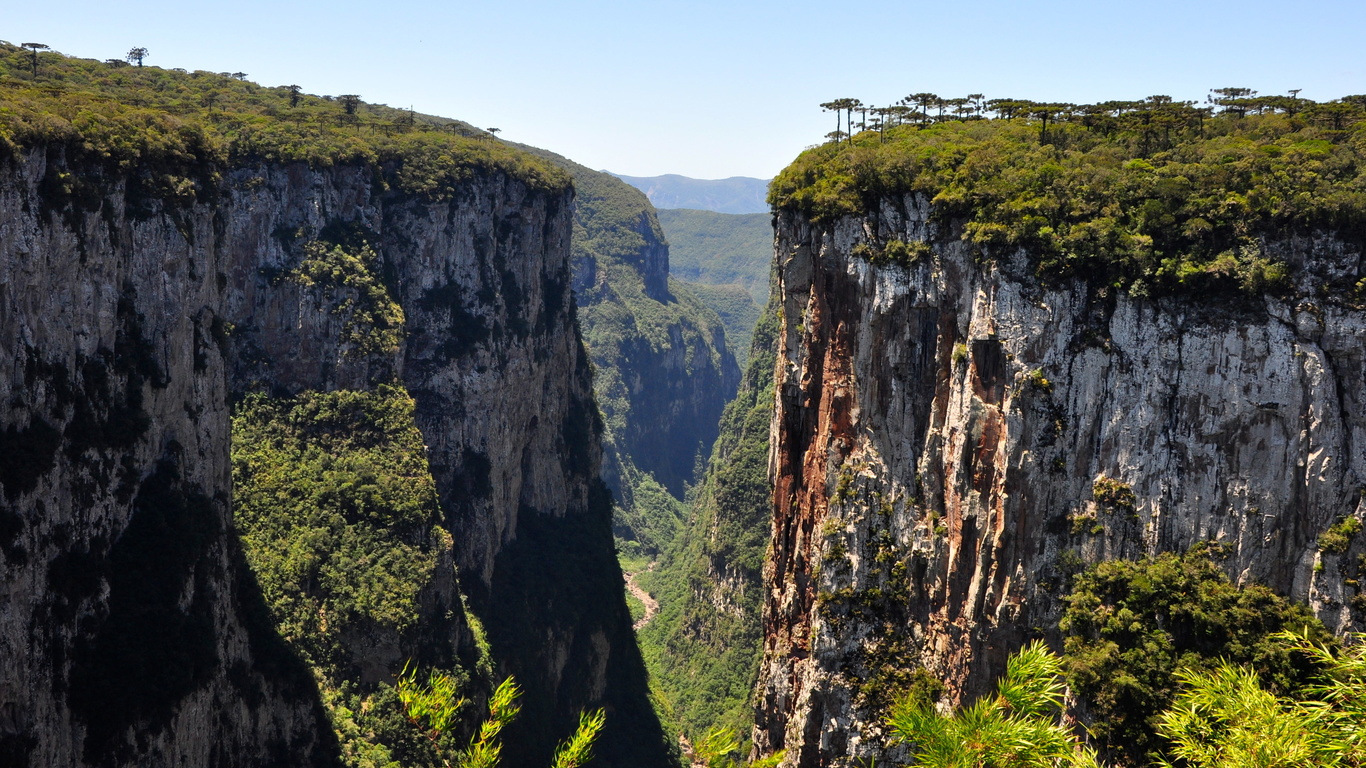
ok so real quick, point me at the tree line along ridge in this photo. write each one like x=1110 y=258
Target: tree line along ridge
x=1149 y=197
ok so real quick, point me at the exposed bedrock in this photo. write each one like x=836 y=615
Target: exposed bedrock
x=953 y=437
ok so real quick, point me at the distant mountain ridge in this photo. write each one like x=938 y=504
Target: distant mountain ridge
x=738 y=194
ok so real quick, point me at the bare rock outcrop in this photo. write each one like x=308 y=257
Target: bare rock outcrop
x=953 y=437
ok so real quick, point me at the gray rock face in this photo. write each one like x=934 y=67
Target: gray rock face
x=944 y=430
x=131 y=631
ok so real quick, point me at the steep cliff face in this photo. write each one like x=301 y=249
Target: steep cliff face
x=953 y=438
x=133 y=633
x=663 y=370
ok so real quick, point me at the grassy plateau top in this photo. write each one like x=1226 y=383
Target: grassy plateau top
x=182 y=127
x=1149 y=196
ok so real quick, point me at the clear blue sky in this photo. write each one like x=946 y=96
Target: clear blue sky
x=713 y=89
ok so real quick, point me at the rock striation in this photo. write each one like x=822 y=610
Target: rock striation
x=953 y=438
x=132 y=632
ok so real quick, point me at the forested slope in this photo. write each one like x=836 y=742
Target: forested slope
x=727 y=257
x=703 y=648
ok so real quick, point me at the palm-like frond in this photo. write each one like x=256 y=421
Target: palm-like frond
x=578 y=748
x=719 y=747
x=1222 y=718
x=1017 y=728
x=1033 y=682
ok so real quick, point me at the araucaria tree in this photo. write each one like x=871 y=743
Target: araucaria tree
x=847 y=106
x=136 y=55
x=35 y=47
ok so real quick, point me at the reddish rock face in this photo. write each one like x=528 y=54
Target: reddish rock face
x=940 y=429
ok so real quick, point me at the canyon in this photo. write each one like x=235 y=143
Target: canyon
x=307 y=398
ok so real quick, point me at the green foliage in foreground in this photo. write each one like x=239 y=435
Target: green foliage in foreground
x=720 y=748
x=1225 y=718
x=433 y=708
x=1132 y=626
x=1021 y=726
x=175 y=130
x=1186 y=206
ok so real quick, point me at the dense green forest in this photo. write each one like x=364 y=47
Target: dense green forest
x=178 y=129
x=1133 y=628
x=725 y=258
x=339 y=519
x=1151 y=197
x=737 y=311
x=720 y=248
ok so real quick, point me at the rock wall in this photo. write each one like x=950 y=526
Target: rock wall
x=952 y=438
x=663 y=369
x=131 y=632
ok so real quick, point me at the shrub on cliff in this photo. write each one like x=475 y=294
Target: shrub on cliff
x=1130 y=626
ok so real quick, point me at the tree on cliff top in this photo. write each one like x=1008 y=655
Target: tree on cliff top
x=1153 y=197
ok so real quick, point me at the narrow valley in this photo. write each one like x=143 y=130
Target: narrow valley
x=999 y=432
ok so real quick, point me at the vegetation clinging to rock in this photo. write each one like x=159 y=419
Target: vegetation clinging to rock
x=1130 y=626
x=339 y=520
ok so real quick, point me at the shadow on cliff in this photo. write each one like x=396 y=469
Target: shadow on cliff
x=585 y=609
x=275 y=660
